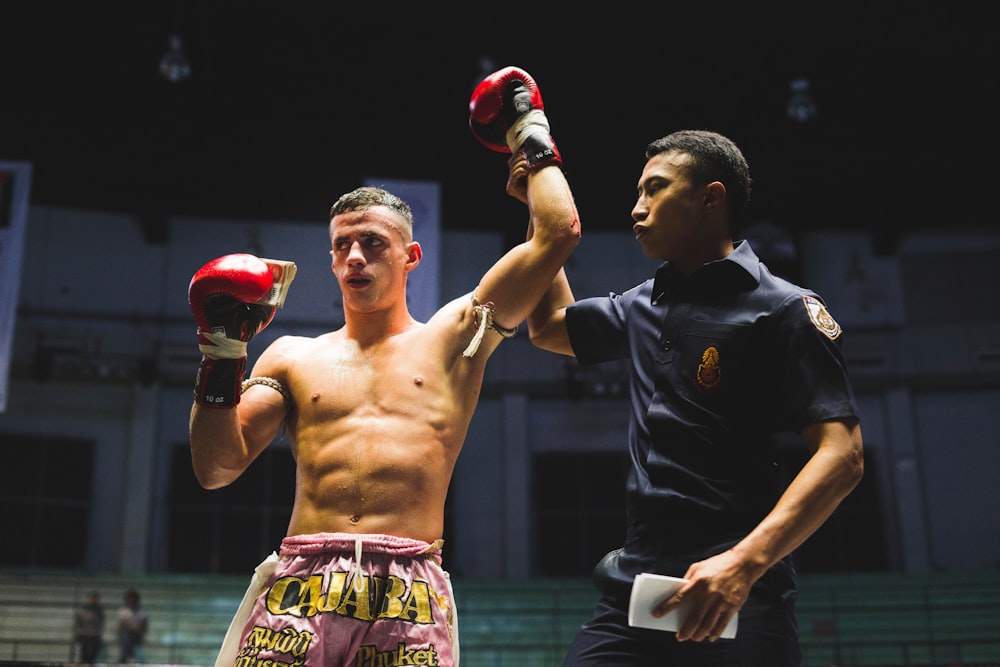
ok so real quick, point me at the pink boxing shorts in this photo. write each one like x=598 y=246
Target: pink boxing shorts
x=351 y=600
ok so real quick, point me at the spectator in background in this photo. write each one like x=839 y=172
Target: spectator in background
x=133 y=622
x=88 y=628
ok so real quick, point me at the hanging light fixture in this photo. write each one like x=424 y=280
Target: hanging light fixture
x=801 y=105
x=174 y=64
x=484 y=68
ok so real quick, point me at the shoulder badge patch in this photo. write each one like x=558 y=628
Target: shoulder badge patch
x=821 y=317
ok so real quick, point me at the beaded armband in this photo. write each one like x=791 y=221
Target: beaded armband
x=484 y=320
x=268 y=382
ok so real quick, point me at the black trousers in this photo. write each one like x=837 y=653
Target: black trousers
x=766 y=636
x=89 y=648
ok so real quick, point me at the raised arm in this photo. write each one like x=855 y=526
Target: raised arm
x=547 y=322
x=507 y=115
x=228 y=433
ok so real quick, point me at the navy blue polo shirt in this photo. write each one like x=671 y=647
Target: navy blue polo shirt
x=723 y=361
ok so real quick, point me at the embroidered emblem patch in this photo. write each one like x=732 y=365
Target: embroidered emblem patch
x=821 y=318
x=709 y=373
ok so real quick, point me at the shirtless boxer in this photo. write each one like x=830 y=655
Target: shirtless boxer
x=376 y=412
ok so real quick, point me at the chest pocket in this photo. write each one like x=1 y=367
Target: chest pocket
x=716 y=365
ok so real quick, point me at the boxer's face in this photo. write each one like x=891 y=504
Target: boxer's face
x=371 y=257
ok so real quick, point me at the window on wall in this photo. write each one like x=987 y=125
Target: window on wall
x=228 y=530
x=579 y=501
x=853 y=538
x=45 y=500
x=580 y=515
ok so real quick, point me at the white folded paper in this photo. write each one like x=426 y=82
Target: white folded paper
x=648 y=590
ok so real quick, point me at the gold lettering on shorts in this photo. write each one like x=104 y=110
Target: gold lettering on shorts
x=355 y=604
x=369 y=656
x=379 y=598
x=287 y=641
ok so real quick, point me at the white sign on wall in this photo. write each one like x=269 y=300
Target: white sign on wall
x=860 y=288
x=424 y=283
x=15 y=186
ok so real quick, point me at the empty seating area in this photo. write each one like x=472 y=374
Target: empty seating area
x=872 y=620
x=888 y=619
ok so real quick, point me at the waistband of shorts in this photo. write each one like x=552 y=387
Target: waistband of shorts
x=304 y=545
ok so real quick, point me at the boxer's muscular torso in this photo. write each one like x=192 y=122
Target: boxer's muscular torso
x=377 y=427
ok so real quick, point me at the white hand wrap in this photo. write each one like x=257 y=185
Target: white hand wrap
x=532 y=123
x=222 y=347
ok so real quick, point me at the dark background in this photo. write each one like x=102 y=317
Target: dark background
x=292 y=103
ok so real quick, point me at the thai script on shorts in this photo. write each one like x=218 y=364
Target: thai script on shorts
x=287 y=641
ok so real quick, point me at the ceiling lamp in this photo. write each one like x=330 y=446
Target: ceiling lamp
x=801 y=105
x=174 y=64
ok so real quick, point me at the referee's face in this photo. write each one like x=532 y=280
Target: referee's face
x=670 y=214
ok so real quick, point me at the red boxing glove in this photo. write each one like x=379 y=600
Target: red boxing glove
x=224 y=296
x=506 y=114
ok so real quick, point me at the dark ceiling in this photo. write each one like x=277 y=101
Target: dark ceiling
x=292 y=103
